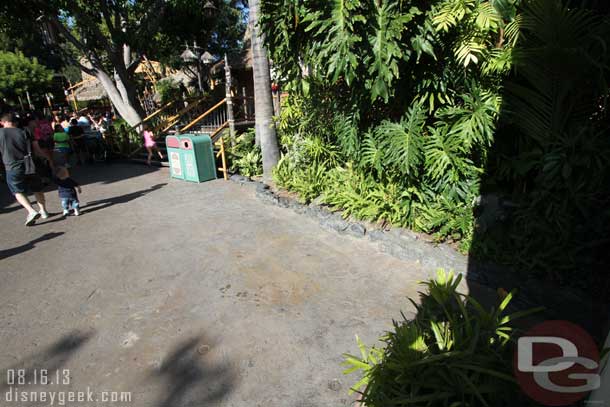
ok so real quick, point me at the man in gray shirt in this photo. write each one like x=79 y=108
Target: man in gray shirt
x=14 y=146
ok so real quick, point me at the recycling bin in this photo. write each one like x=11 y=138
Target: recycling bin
x=174 y=156
x=198 y=160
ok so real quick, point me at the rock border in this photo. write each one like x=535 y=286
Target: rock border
x=405 y=244
x=398 y=242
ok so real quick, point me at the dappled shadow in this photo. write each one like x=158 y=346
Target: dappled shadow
x=117 y=200
x=28 y=246
x=51 y=359
x=192 y=378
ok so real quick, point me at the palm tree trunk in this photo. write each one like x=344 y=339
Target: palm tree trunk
x=263 y=102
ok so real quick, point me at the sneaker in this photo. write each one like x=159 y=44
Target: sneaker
x=76 y=212
x=44 y=214
x=31 y=219
x=65 y=212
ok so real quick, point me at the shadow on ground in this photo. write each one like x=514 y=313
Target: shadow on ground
x=110 y=172
x=28 y=246
x=84 y=175
x=117 y=200
x=191 y=378
x=51 y=359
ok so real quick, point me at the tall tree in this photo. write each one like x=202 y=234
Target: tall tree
x=111 y=36
x=263 y=102
x=19 y=74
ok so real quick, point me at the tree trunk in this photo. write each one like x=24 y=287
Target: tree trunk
x=127 y=109
x=263 y=102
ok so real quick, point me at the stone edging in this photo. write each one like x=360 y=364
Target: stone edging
x=398 y=242
x=406 y=245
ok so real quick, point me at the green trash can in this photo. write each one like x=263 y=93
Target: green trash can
x=197 y=158
x=174 y=156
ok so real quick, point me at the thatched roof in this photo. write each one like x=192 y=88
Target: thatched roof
x=91 y=90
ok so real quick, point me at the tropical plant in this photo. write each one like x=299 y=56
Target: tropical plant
x=168 y=89
x=453 y=353
x=244 y=155
x=557 y=163
x=433 y=104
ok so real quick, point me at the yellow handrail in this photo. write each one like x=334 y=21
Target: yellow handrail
x=218 y=130
x=173 y=119
x=201 y=117
x=153 y=114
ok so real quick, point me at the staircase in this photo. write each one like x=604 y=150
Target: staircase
x=200 y=115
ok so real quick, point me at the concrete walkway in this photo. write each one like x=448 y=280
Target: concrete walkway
x=189 y=295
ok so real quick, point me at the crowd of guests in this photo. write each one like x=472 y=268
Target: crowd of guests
x=54 y=144
x=38 y=150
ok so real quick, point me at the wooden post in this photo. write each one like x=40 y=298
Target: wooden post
x=276 y=103
x=73 y=97
x=225 y=171
x=229 y=98
x=244 y=96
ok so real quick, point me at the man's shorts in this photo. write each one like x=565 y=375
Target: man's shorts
x=19 y=183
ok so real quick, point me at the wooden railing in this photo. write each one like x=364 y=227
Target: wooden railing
x=181 y=115
x=214 y=113
x=243 y=108
x=154 y=114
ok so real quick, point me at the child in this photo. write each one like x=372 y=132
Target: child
x=67 y=187
x=149 y=143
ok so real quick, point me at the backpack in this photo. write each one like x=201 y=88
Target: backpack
x=44 y=134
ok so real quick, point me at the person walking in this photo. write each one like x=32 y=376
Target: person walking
x=66 y=187
x=77 y=137
x=149 y=143
x=16 y=150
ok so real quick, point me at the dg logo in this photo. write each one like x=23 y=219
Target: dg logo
x=557 y=363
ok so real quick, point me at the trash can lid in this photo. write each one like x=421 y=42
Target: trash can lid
x=172 y=142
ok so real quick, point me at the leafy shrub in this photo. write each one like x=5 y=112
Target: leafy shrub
x=447 y=220
x=396 y=105
x=244 y=156
x=363 y=197
x=168 y=89
x=453 y=353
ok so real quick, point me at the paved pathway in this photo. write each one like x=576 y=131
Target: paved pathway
x=190 y=295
